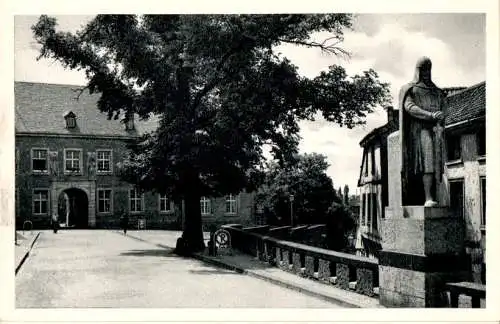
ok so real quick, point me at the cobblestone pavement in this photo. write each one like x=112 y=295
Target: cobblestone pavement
x=97 y=268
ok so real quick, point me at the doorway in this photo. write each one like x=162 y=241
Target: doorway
x=73 y=208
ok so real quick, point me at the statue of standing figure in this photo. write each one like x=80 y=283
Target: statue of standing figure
x=422 y=113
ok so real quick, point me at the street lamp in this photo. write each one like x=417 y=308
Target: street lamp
x=291 y=210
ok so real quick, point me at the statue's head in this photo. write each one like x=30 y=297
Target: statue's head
x=423 y=70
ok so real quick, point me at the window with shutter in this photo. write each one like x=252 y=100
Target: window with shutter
x=457 y=197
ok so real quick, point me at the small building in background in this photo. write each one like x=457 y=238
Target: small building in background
x=372 y=185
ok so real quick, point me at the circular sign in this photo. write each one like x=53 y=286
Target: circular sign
x=222 y=239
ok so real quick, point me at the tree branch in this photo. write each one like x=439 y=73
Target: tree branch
x=80 y=91
x=330 y=49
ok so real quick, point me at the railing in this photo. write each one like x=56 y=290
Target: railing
x=343 y=270
x=474 y=290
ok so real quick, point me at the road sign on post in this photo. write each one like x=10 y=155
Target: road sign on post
x=222 y=241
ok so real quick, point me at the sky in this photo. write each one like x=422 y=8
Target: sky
x=389 y=43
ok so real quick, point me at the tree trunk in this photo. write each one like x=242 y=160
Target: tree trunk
x=192 y=236
x=193 y=232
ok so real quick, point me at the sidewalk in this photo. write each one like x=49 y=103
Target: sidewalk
x=25 y=241
x=246 y=264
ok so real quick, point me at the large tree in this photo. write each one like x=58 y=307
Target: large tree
x=218 y=88
x=305 y=178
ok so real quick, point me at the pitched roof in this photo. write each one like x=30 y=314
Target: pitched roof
x=377 y=133
x=466 y=104
x=40 y=108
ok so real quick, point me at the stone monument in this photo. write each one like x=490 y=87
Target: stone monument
x=421 y=104
x=422 y=244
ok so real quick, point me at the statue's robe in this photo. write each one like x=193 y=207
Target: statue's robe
x=429 y=98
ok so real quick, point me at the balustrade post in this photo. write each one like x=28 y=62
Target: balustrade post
x=285 y=260
x=309 y=264
x=297 y=264
x=278 y=257
x=262 y=250
x=270 y=252
x=342 y=272
x=257 y=249
x=364 y=281
x=265 y=253
x=324 y=273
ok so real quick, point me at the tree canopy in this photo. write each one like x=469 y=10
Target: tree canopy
x=307 y=181
x=217 y=88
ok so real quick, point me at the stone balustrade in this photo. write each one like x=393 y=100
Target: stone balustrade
x=282 y=232
x=343 y=270
x=474 y=290
x=261 y=229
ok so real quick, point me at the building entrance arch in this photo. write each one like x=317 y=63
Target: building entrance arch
x=73 y=208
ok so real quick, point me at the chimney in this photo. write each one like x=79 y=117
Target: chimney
x=392 y=115
x=128 y=120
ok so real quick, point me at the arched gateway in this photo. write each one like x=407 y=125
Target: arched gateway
x=73 y=208
x=74 y=202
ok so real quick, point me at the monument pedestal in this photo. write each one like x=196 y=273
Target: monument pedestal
x=422 y=249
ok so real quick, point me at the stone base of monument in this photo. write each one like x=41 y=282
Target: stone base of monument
x=422 y=250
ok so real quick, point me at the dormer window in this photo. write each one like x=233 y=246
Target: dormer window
x=70 y=119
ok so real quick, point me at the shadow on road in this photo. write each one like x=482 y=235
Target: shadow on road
x=156 y=252
x=214 y=272
x=239 y=260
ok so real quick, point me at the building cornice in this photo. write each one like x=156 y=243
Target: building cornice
x=464 y=123
x=84 y=136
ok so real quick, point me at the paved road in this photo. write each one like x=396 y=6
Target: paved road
x=83 y=269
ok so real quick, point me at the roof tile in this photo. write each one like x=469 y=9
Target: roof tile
x=40 y=108
x=467 y=104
